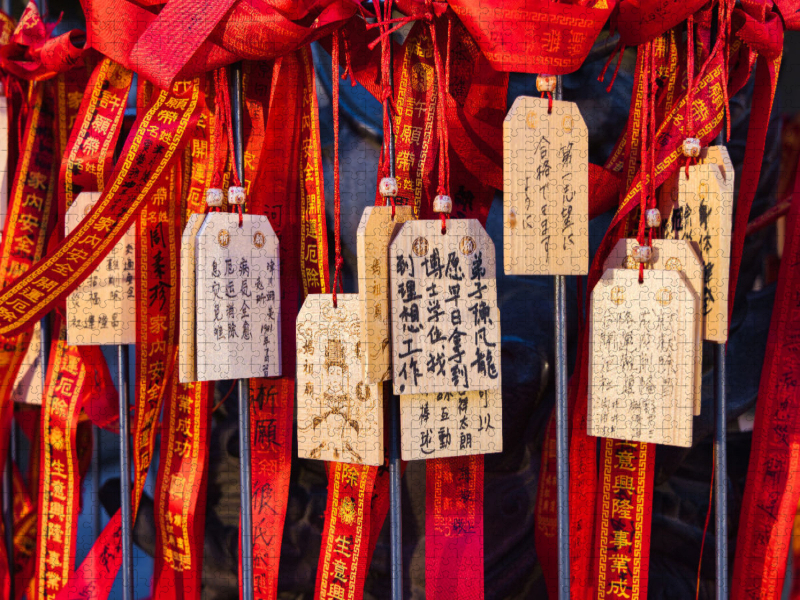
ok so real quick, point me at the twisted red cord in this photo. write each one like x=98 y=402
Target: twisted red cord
x=336 y=197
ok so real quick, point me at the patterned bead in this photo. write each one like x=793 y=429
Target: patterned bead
x=443 y=204
x=642 y=254
x=214 y=197
x=546 y=83
x=652 y=217
x=388 y=187
x=691 y=147
x=235 y=195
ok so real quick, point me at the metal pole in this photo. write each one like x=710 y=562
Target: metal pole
x=395 y=502
x=721 y=470
x=243 y=384
x=125 y=474
x=562 y=458
x=95 y=489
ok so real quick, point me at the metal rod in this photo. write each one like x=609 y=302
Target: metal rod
x=125 y=474
x=395 y=502
x=95 y=489
x=562 y=457
x=721 y=472
x=243 y=384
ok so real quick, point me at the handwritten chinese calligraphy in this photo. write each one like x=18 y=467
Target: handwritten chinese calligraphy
x=374 y=233
x=445 y=320
x=238 y=298
x=642 y=356
x=103 y=308
x=339 y=415
x=701 y=210
x=672 y=255
x=546 y=189
x=451 y=424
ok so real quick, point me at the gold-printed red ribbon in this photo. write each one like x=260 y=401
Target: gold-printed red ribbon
x=345 y=539
x=59 y=490
x=625 y=512
x=159 y=133
x=86 y=162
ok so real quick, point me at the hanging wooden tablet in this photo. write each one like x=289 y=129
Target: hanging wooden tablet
x=700 y=209
x=451 y=424
x=671 y=255
x=445 y=320
x=238 y=298
x=102 y=310
x=641 y=349
x=187 y=340
x=339 y=415
x=375 y=231
x=545 y=189
x=28 y=384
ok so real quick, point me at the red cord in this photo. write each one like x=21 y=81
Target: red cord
x=705 y=529
x=337 y=208
x=441 y=109
x=689 y=119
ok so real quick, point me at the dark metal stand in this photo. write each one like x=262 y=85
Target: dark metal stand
x=243 y=384
x=721 y=472
x=562 y=456
x=126 y=512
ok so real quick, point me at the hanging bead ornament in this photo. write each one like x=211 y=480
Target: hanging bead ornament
x=653 y=218
x=236 y=195
x=642 y=254
x=443 y=204
x=691 y=147
x=388 y=187
x=214 y=197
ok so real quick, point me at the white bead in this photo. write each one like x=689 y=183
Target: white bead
x=546 y=83
x=652 y=217
x=214 y=197
x=388 y=187
x=235 y=195
x=443 y=204
x=642 y=254
x=691 y=147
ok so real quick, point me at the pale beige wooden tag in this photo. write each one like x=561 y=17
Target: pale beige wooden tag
x=238 y=298
x=641 y=357
x=375 y=231
x=545 y=189
x=339 y=415
x=187 y=349
x=672 y=255
x=451 y=424
x=28 y=384
x=700 y=209
x=445 y=320
x=4 y=174
x=102 y=310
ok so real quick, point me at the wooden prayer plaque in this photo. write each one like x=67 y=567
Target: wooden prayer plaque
x=451 y=424
x=28 y=384
x=642 y=357
x=375 y=231
x=672 y=255
x=445 y=320
x=238 y=298
x=545 y=189
x=102 y=310
x=339 y=415
x=700 y=210
x=187 y=349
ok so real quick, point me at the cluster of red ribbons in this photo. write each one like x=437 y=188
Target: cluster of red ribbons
x=66 y=105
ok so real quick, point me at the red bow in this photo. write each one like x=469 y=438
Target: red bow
x=32 y=54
